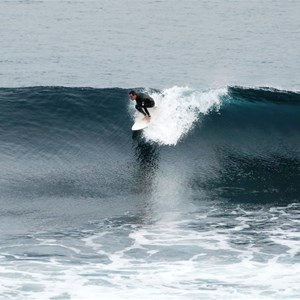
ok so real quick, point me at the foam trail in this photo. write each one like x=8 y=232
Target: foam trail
x=179 y=108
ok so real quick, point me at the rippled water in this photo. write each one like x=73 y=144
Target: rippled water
x=150 y=43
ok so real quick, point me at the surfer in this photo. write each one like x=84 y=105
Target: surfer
x=142 y=102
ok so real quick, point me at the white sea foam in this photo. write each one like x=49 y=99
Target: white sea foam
x=177 y=259
x=178 y=109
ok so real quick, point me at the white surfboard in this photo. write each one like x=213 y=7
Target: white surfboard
x=140 y=122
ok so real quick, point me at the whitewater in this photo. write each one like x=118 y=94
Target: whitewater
x=181 y=107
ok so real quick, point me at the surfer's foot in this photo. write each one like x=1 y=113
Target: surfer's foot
x=147 y=118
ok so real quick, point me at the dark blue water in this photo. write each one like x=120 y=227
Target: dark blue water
x=202 y=204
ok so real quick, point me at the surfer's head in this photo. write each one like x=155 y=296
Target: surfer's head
x=132 y=95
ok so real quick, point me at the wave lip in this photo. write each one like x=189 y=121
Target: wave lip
x=264 y=94
x=179 y=108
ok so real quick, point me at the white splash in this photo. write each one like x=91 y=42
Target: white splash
x=178 y=109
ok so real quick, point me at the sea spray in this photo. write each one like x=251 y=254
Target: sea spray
x=178 y=109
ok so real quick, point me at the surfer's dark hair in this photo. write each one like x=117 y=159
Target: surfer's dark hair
x=132 y=92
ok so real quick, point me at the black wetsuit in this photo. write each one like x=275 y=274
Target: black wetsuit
x=142 y=102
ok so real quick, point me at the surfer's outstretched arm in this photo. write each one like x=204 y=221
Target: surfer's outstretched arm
x=147 y=112
x=141 y=110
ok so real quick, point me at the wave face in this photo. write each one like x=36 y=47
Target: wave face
x=237 y=131
x=211 y=188
x=46 y=114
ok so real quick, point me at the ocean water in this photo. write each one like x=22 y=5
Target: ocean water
x=202 y=204
x=150 y=43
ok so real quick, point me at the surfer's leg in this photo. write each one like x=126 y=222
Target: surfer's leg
x=140 y=109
